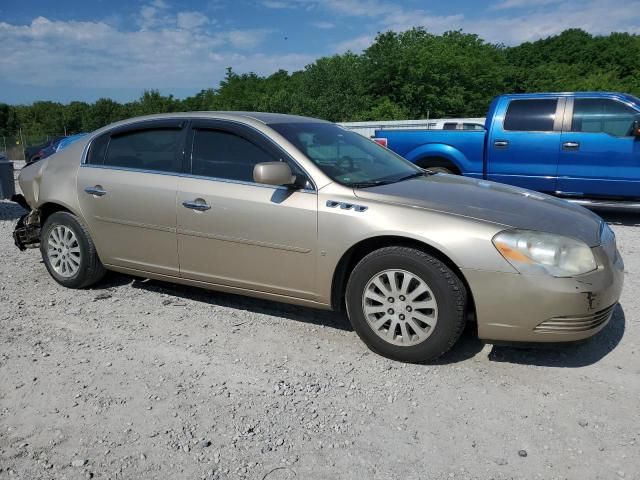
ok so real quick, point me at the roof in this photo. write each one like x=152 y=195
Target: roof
x=271 y=118
x=619 y=95
x=262 y=117
x=256 y=118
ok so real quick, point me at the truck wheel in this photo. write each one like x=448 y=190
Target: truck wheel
x=69 y=253
x=439 y=169
x=438 y=165
x=406 y=304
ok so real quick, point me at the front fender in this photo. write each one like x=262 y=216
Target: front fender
x=465 y=241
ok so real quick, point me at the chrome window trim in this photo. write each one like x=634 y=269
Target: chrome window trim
x=85 y=151
x=567 y=121
x=198 y=177
x=561 y=107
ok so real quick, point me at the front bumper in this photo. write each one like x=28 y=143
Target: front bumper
x=525 y=308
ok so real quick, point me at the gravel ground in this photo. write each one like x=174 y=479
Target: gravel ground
x=143 y=379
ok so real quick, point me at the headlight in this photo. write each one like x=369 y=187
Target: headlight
x=608 y=241
x=539 y=253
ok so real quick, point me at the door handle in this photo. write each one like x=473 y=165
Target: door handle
x=96 y=191
x=571 y=146
x=501 y=143
x=197 y=204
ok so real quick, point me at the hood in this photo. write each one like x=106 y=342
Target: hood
x=493 y=202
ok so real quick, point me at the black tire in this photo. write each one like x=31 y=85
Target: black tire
x=449 y=292
x=439 y=170
x=90 y=268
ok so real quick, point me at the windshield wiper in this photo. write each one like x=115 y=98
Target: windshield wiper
x=376 y=183
x=366 y=184
x=369 y=184
x=423 y=173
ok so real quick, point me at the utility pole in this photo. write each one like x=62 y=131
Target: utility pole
x=24 y=155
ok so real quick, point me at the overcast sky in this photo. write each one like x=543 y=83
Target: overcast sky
x=85 y=49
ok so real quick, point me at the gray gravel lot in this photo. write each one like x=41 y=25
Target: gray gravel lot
x=143 y=379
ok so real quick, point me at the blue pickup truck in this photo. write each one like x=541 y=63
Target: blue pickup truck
x=581 y=146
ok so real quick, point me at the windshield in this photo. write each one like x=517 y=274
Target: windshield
x=635 y=100
x=346 y=157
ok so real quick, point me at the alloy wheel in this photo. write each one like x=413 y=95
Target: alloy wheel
x=400 y=307
x=63 y=251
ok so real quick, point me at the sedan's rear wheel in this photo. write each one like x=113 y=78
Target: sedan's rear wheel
x=63 y=251
x=68 y=252
x=406 y=304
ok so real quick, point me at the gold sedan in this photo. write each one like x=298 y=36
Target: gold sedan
x=299 y=210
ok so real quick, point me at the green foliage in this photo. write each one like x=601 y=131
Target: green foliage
x=575 y=60
x=385 y=109
x=413 y=74
x=454 y=74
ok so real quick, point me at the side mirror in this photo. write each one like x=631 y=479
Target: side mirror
x=635 y=129
x=273 y=173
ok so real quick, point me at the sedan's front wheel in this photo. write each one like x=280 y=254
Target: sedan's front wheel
x=406 y=304
x=68 y=252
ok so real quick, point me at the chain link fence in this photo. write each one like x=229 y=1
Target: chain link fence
x=18 y=147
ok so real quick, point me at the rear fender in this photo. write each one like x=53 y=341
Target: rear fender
x=29 y=179
x=447 y=152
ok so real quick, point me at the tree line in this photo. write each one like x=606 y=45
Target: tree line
x=413 y=74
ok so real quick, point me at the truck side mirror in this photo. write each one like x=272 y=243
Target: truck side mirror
x=635 y=129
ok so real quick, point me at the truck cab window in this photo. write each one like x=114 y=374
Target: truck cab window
x=531 y=115
x=599 y=115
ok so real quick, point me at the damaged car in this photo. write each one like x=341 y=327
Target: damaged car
x=299 y=210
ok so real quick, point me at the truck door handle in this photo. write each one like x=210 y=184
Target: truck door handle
x=197 y=204
x=96 y=191
x=501 y=143
x=571 y=146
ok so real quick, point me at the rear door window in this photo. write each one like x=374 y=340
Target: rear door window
x=97 y=150
x=155 y=149
x=531 y=115
x=600 y=115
